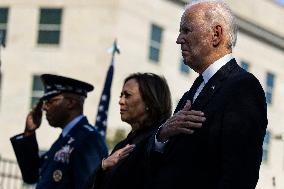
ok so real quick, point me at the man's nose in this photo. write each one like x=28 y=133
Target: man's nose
x=179 y=40
x=44 y=106
x=121 y=100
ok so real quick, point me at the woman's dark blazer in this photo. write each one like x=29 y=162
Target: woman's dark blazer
x=131 y=172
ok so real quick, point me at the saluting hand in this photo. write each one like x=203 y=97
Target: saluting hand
x=33 y=120
x=114 y=158
x=184 y=121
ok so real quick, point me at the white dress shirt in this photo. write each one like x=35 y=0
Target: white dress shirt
x=210 y=71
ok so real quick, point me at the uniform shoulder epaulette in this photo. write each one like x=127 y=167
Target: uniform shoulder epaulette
x=89 y=127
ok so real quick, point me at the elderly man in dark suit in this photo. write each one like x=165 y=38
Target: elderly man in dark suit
x=215 y=142
x=78 y=150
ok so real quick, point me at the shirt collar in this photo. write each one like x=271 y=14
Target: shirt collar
x=70 y=125
x=213 y=68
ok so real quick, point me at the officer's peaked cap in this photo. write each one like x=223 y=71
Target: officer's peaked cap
x=55 y=85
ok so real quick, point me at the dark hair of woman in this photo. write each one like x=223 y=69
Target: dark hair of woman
x=155 y=94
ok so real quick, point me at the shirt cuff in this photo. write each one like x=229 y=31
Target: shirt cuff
x=19 y=137
x=160 y=146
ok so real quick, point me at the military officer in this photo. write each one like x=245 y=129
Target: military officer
x=79 y=148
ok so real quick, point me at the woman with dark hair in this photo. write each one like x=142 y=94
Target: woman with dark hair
x=145 y=103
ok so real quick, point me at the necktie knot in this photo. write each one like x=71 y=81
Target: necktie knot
x=199 y=80
x=195 y=86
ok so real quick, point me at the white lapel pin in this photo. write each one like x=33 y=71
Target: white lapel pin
x=71 y=140
x=213 y=87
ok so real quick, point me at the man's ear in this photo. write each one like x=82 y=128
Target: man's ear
x=217 y=35
x=71 y=103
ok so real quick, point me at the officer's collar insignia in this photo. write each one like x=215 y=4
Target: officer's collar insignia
x=57 y=175
x=63 y=155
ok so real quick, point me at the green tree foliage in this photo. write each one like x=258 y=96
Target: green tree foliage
x=119 y=135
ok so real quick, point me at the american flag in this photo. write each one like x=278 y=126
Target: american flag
x=101 y=119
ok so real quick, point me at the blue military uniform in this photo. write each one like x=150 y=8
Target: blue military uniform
x=72 y=158
x=68 y=163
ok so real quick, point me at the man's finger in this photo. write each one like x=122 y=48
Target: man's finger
x=185 y=118
x=185 y=131
x=193 y=125
x=187 y=105
x=192 y=112
x=188 y=124
x=194 y=118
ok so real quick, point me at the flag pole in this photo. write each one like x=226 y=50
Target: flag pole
x=101 y=119
x=1 y=45
x=115 y=50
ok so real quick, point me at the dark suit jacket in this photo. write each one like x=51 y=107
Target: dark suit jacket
x=68 y=163
x=227 y=151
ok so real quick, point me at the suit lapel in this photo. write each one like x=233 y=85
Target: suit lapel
x=213 y=85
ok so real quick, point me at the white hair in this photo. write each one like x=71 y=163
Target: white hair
x=220 y=12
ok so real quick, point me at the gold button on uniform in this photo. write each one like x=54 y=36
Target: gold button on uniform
x=57 y=175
